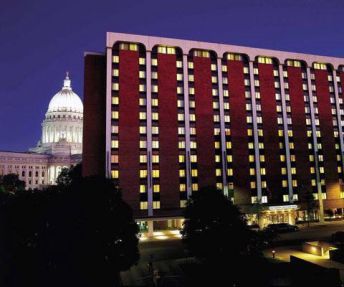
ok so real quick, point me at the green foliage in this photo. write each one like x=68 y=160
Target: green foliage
x=11 y=183
x=80 y=235
x=216 y=233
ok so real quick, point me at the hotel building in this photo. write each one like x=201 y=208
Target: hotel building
x=165 y=117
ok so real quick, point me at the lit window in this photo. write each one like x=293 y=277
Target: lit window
x=143 y=158
x=264 y=199
x=115 y=86
x=182 y=173
x=155 y=158
x=285 y=197
x=114 y=158
x=156 y=204
x=194 y=186
x=114 y=173
x=142 y=130
x=115 y=100
x=114 y=144
x=181 y=158
x=115 y=72
x=142 y=188
x=155 y=116
x=201 y=53
x=142 y=115
x=182 y=187
x=143 y=205
x=143 y=173
x=142 y=144
x=252 y=171
x=194 y=172
x=156 y=188
x=284 y=183
x=183 y=203
x=155 y=173
x=264 y=60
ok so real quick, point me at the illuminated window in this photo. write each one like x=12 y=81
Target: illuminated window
x=142 y=188
x=262 y=158
x=154 y=75
x=142 y=144
x=182 y=187
x=143 y=158
x=114 y=158
x=143 y=205
x=230 y=172
x=183 y=203
x=190 y=65
x=115 y=72
x=283 y=170
x=264 y=60
x=142 y=130
x=115 y=59
x=181 y=144
x=229 y=158
x=156 y=188
x=293 y=170
x=236 y=57
x=142 y=115
x=115 y=86
x=195 y=186
x=115 y=100
x=155 y=130
x=142 y=88
x=251 y=158
x=114 y=144
x=182 y=173
x=264 y=184
x=218 y=172
x=282 y=157
x=194 y=172
x=253 y=184
x=181 y=158
x=155 y=116
x=264 y=199
x=114 y=173
x=155 y=88
x=179 y=64
x=193 y=158
x=252 y=171
x=201 y=53
x=294 y=183
x=249 y=132
x=156 y=204
x=319 y=66
x=155 y=173
x=193 y=144
x=142 y=74
x=154 y=62
x=179 y=77
x=192 y=117
x=284 y=183
x=142 y=61
x=254 y=199
x=285 y=197
x=114 y=129
x=143 y=173
x=262 y=171
x=155 y=158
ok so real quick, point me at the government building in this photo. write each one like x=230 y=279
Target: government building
x=166 y=117
x=60 y=144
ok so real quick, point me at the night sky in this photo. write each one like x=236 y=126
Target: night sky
x=41 y=39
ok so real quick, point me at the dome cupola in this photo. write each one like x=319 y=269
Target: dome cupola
x=66 y=100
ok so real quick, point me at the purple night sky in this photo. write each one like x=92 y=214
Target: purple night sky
x=41 y=39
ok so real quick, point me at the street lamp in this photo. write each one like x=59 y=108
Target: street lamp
x=320 y=198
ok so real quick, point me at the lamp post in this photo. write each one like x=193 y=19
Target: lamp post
x=320 y=198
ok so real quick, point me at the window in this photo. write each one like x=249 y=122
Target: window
x=143 y=173
x=156 y=204
x=155 y=173
x=201 y=53
x=114 y=173
x=285 y=197
x=264 y=60
x=143 y=205
x=142 y=188
x=156 y=188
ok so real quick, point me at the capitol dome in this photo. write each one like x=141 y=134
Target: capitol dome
x=66 y=100
x=63 y=123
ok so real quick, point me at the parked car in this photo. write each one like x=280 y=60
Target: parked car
x=282 y=227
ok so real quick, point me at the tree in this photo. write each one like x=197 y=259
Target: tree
x=310 y=204
x=215 y=232
x=69 y=175
x=80 y=235
x=11 y=183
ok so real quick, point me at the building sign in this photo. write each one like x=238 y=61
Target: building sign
x=283 y=207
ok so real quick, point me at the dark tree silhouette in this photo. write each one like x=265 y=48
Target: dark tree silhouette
x=79 y=235
x=69 y=176
x=11 y=183
x=215 y=232
x=310 y=204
